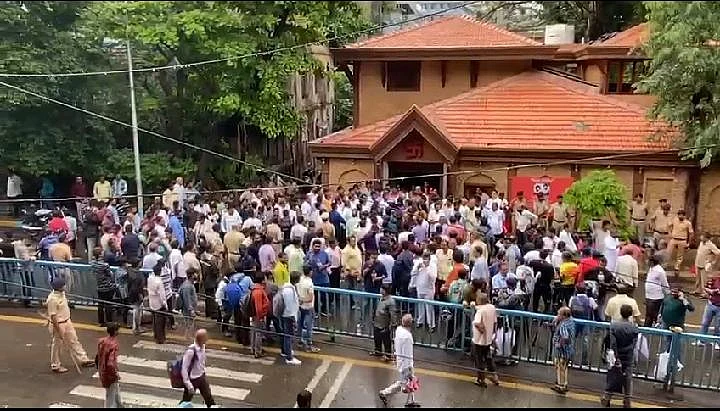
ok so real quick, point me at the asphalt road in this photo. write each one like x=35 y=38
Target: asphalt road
x=338 y=376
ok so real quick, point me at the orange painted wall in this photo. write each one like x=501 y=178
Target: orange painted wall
x=376 y=103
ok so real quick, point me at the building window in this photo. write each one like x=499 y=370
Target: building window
x=623 y=74
x=402 y=75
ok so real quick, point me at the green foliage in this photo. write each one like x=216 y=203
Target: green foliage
x=39 y=137
x=237 y=175
x=594 y=18
x=157 y=169
x=684 y=72
x=599 y=195
x=343 y=102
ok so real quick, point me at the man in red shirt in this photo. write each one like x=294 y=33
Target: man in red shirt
x=261 y=309
x=587 y=263
x=57 y=223
x=107 y=365
x=712 y=309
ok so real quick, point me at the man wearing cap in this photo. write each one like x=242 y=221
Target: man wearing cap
x=659 y=222
x=62 y=330
x=681 y=233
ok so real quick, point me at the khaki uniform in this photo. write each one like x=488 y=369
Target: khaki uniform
x=61 y=252
x=661 y=226
x=275 y=234
x=638 y=217
x=232 y=241
x=706 y=253
x=57 y=305
x=560 y=215
x=540 y=209
x=680 y=232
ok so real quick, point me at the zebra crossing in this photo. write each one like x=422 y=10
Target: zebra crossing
x=144 y=382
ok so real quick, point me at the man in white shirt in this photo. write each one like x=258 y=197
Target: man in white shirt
x=119 y=187
x=483 y=336
x=230 y=218
x=157 y=301
x=193 y=370
x=422 y=277
x=252 y=221
x=298 y=230
x=14 y=190
x=656 y=288
x=626 y=270
x=388 y=261
x=495 y=218
x=524 y=219
x=403 y=359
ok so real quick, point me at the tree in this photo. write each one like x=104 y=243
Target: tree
x=599 y=195
x=592 y=19
x=40 y=137
x=189 y=104
x=343 y=102
x=683 y=72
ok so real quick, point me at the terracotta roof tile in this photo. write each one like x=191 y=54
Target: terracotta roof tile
x=447 y=32
x=635 y=36
x=531 y=111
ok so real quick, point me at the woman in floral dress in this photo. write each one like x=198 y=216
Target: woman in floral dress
x=563 y=347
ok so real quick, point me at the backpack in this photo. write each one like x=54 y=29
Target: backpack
x=580 y=307
x=247 y=306
x=233 y=295
x=174 y=369
x=278 y=304
x=456 y=289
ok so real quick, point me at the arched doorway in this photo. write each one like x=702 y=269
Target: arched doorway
x=478 y=183
x=351 y=177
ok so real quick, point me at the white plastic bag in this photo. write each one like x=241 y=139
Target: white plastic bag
x=662 y=366
x=504 y=343
x=641 y=348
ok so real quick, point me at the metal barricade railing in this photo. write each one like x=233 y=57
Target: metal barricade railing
x=527 y=337
x=523 y=336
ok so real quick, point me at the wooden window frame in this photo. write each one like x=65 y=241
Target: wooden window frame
x=637 y=70
x=387 y=81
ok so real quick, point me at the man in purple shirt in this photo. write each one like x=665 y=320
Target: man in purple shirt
x=420 y=231
x=319 y=263
x=266 y=254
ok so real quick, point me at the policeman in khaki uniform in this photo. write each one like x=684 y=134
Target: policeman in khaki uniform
x=541 y=209
x=681 y=233
x=638 y=216
x=660 y=222
x=62 y=330
x=559 y=212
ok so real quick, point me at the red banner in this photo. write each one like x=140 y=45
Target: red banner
x=551 y=187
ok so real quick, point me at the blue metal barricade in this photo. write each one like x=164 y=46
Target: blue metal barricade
x=689 y=361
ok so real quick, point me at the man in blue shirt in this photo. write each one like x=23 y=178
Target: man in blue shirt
x=319 y=263
x=177 y=229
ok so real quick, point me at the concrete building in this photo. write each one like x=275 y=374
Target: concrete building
x=468 y=98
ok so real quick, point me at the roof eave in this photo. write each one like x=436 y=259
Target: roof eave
x=529 y=52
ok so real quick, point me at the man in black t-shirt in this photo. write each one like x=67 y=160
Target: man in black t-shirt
x=545 y=274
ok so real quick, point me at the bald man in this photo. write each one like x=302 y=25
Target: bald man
x=403 y=357
x=193 y=370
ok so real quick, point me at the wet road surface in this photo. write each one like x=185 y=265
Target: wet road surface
x=338 y=376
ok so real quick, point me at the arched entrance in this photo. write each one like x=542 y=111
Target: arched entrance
x=478 y=183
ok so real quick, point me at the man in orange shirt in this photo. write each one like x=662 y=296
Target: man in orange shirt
x=260 y=310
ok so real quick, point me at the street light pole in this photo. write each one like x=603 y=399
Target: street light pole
x=136 y=145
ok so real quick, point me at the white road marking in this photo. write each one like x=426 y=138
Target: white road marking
x=330 y=397
x=63 y=405
x=128 y=398
x=319 y=373
x=213 y=372
x=210 y=353
x=163 y=382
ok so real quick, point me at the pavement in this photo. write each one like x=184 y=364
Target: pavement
x=342 y=375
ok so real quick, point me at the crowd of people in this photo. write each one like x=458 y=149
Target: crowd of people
x=255 y=257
